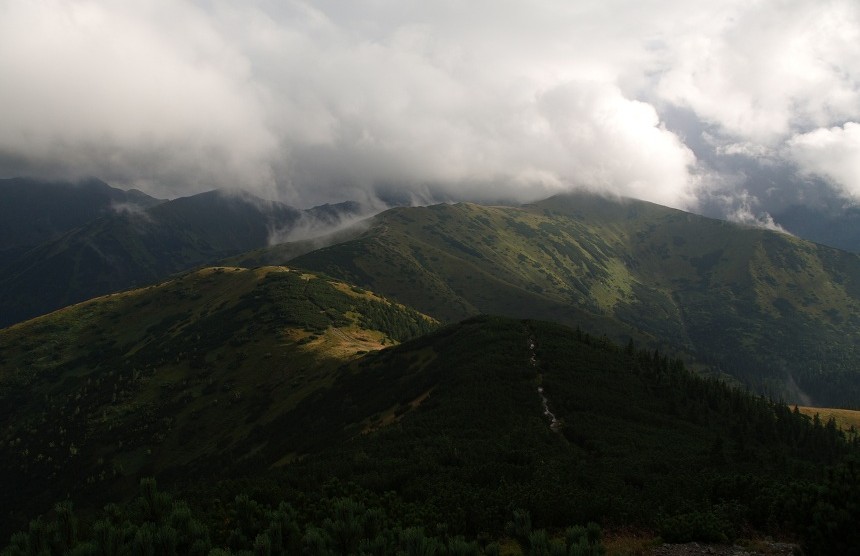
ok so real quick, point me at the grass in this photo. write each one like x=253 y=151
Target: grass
x=753 y=304
x=170 y=377
x=630 y=543
x=845 y=418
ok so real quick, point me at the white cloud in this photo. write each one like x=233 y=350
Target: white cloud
x=137 y=92
x=833 y=154
x=762 y=70
x=321 y=101
x=748 y=149
x=603 y=141
x=739 y=205
x=744 y=215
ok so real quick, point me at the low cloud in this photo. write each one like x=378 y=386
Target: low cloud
x=320 y=222
x=319 y=102
x=147 y=95
x=744 y=215
x=132 y=210
x=600 y=140
x=736 y=204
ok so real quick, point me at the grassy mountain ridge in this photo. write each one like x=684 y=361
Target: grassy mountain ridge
x=167 y=379
x=128 y=249
x=751 y=300
x=775 y=312
x=410 y=251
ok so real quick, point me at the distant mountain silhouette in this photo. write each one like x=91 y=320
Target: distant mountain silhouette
x=128 y=245
x=34 y=211
x=838 y=228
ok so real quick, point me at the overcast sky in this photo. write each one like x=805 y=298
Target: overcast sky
x=717 y=105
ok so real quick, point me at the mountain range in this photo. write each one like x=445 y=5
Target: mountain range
x=97 y=239
x=34 y=211
x=771 y=311
x=777 y=313
x=277 y=380
x=480 y=379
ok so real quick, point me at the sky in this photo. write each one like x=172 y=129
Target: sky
x=728 y=108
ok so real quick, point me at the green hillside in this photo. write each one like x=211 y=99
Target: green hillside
x=168 y=379
x=775 y=312
x=448 y=440
x=133 y=248
x=281 y=406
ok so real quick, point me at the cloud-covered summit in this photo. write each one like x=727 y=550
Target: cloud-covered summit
x=312 y=102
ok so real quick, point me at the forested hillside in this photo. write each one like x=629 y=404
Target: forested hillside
x=274 y=408
x=134 y=248
x=499 y=431
x=170 y=379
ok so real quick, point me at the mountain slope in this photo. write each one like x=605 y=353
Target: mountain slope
x=168 y=379
x=134 y=248
x=34 y=211
x=455 y=424
x=632 y=438
x=776 y=312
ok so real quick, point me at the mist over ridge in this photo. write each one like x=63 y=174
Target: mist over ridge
x=734 y=110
